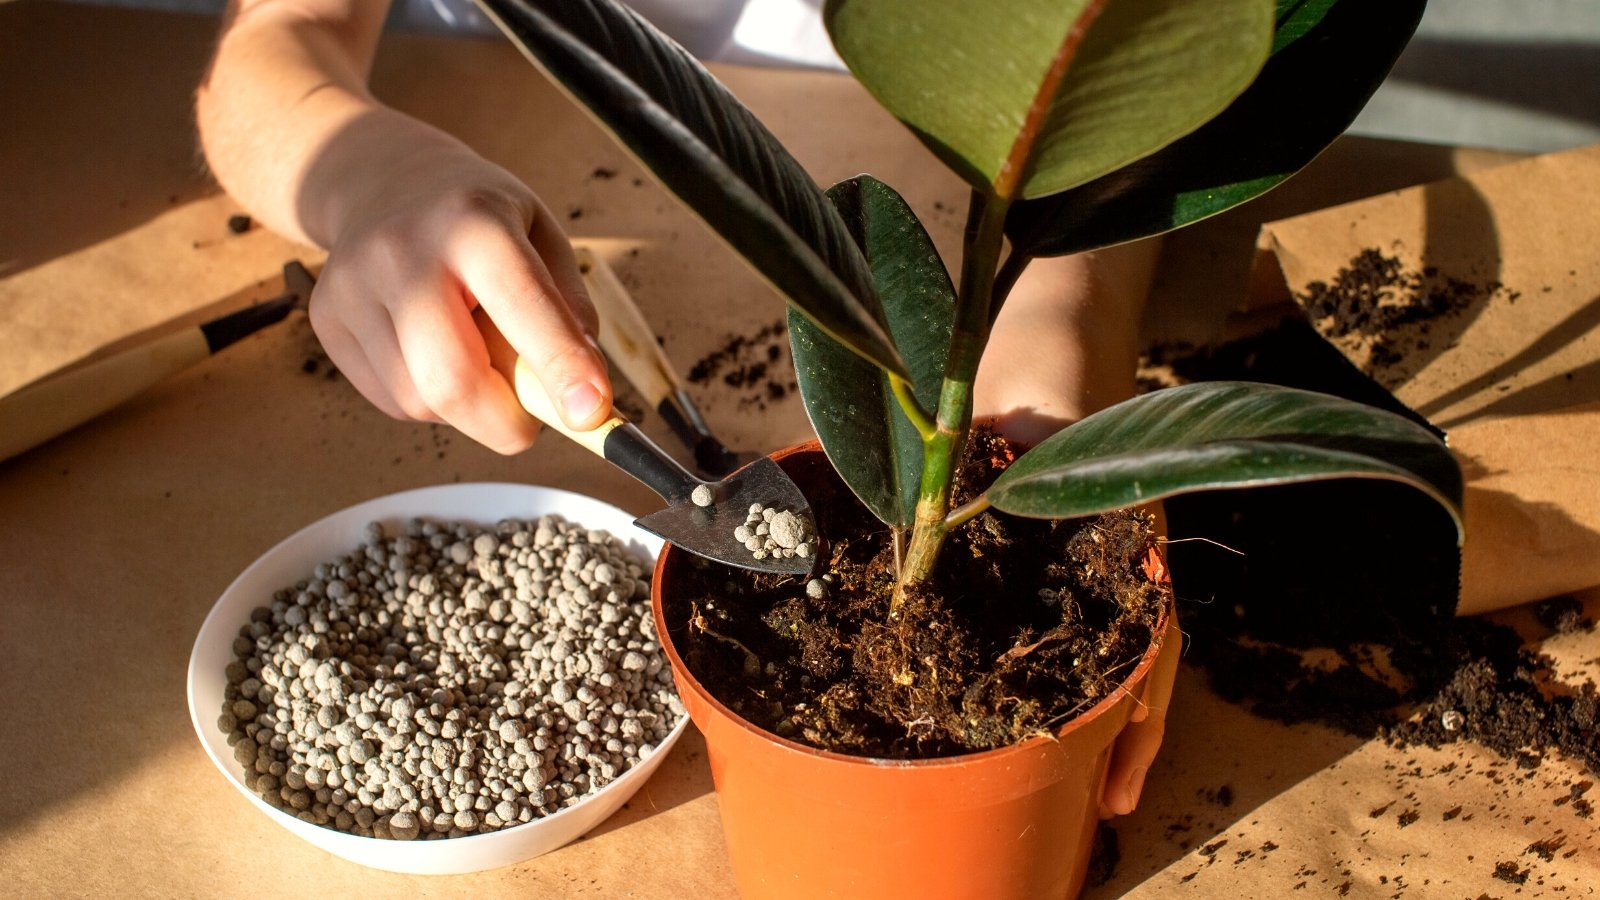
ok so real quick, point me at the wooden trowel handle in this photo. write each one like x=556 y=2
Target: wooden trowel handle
x=625 y=335
x=40 y=411
x=58 y=403
x=531 y=394
x=616 y=440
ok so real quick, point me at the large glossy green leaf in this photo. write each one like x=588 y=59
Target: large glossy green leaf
x=1224 y=434
x=1006 y=93
x=1329 y=56
x=710 y=151
x=874 y=447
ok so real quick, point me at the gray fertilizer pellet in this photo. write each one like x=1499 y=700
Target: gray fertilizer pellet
x=787 y=529
x=702 y=495
x=450 y=680
x=777 y=533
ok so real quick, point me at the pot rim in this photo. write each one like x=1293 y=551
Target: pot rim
x=1105 y=704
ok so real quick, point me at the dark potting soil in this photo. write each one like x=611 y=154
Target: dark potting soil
x=1026 y=622
x=1346 y=617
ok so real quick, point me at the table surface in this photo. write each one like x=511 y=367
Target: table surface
x=118 y=537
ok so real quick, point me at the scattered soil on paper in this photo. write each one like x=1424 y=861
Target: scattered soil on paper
x=1507 y=871
x=1346 y=617
x=753 y=367
x=1027 y=622
x=1392 y=318
x=1285 y=624
x=313 y=359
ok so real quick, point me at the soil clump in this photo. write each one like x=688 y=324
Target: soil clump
x=1393 y=318
x=1026 y=623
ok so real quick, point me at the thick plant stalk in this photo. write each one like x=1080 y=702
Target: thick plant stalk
x=980 y=260
x=953 y=422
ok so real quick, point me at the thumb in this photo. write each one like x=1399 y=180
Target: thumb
x=514 y=286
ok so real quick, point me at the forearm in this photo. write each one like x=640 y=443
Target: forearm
x=279 y=106
x=1067 y=341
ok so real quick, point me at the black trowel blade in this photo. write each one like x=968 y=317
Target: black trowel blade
x=708 y=531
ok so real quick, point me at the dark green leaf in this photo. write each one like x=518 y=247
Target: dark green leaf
x=1296 y=18
x=874 y=447
x=710 y=151
x=1005 y=93
x=1224 y=434
x=1333 y=56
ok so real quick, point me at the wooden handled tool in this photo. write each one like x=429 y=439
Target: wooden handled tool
x=630 y=343
x=703 y=530
x=59 y=403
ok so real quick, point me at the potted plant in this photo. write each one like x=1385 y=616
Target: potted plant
x=1079 y=124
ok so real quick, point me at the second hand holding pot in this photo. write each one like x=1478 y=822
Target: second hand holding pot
x=702 y=530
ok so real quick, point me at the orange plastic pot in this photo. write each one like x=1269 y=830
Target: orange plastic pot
x=1016 y=822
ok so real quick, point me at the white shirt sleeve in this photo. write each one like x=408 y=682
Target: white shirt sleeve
x=749 y=32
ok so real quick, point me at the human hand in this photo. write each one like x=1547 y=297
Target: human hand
x=1136 y=746
x=1066 y=343
x=441 y=233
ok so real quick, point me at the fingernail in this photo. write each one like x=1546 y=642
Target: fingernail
x=580 y=402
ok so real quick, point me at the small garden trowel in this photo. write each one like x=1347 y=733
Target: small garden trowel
x=703 y=530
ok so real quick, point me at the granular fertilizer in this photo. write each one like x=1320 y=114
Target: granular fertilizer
x=450 y=681
x=778 y=533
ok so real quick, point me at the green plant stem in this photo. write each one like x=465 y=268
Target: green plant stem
x=1006 y=279
x=967 y=511
x=942 y=452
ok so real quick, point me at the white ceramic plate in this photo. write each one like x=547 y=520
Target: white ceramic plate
x=293 y=559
